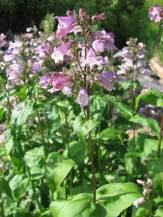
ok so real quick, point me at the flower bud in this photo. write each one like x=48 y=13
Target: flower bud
x=69 y=13
x=82 y=13
x=99 y=17
x=139 y=201
x=140 y=182
x=82 y=98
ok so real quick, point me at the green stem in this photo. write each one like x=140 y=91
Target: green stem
x=41 y=133
x=92 y=167
x=9 y=106
x=159 y=34
x=2 y=208
x=33 y=97
x=160 y=138
x=32 y=183
x=33 y=189
x=69 y=154
x=91 y=156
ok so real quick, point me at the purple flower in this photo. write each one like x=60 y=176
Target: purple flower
x=92 y=60
x=82 y=98
x=13 y=71
x=103 y=41
x=138 y=202
x=45 y=81
x=8 y=57
x=36 y=66
x=106 y=78
x=82 y=12
x=59 y=52
x=155 y=14
x=59 y=81
x=65 y=25
x=98 y=45
x=98 y=17
x=43 y=49
x=67 y=91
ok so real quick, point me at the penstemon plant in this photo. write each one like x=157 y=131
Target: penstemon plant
x=67 y=114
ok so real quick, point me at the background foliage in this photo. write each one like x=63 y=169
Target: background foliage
x=126 y=18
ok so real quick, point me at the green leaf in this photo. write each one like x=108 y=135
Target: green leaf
x=34 y=159
x=80 y=206
x=159 y=212
x=77 y=151
x=21 y=92
x=57 y=169
x=19 y=185
x=110 y=133
x=88 y=126
x=1 y=113
x=155 y=166
x=84 y=127
x=98 y=103
x=4 y=187
x=141 y=212
x=117 y=197
x=149 y=96
x=146 y=122
x=21 y=113
x=123 y=109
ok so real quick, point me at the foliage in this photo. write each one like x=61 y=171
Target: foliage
x=75 y=140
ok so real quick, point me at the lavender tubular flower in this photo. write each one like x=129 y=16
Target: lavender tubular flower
x=13 y=71
x=59 y=81
x=106 y=78
x=59 y=52
x=155 y=14
x=65 y=25
x=99 y=17
x=138 y=202
x=83 y=98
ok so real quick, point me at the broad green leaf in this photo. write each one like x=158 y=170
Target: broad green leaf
x=98 y=103
x=123 y=109
x=21 y=113
x=1 y=113
x=155 y=171
x=157 y=183
x=130 y=162
x=84 y=127
x=155 y=166
x=117 y=197
x=4 y=187
x=109 y=134
x=159 y=212
x=77 y=151
x=88 y=126
x=57 y=169
x=141 y=211
x=34 y=159
x=19 y=185
x=21 y=92
x=146 y=122
x=150 y=96
x=77 y=207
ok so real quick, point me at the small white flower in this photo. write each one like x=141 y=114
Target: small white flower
x=138 y=202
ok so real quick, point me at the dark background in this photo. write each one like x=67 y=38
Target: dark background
x=126 y=18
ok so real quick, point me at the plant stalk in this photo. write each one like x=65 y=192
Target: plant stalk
x=91 y=156
x=160 y=137
x=92 y=167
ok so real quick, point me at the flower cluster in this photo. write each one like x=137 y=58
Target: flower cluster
x=84 y=50
x=155 y=14
x=133 y=58
x=77 y=55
